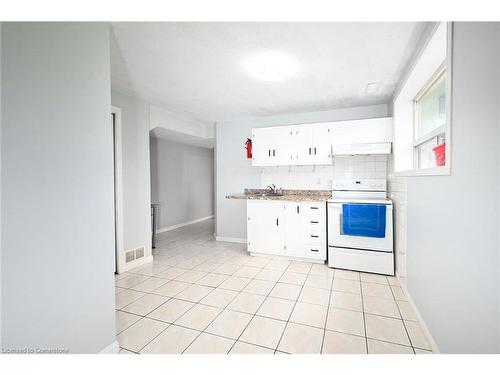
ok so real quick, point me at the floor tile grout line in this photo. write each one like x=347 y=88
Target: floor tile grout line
x=404 y=325
x=222 y=310
x=217 y=257
x=364 y=314
x=229 y=310
x=291 y=313
x=258 y=308
x=255 y=314
x=174 y=297
x=280 y=320
x=327 y=313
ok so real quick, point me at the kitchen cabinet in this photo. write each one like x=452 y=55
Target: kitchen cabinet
x=294 y=229
x=265 y=227
x=311 y=144
x=262 y=147
x=292 y=145
x=322 y=144
x=301 y=145
x=305 y=230
x=295 y=225
x=270 y=146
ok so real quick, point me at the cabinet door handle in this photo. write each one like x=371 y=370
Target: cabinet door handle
x=269 y=152
x=314 y=150
x=298 y=210
x=277 y=222
x=274 y=152
x=314 y=222
x=315 y=250
x=309 y=150
x=314 y=236
x=314 y=208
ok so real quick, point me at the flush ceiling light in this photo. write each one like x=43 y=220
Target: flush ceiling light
x=271 y=66
x=372 y=88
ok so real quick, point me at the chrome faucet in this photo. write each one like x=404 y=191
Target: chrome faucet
x=273 y=189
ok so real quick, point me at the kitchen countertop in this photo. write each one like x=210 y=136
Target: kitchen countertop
x=288 y=195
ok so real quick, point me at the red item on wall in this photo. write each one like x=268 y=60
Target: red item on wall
x=248 y=146
x=439 y=153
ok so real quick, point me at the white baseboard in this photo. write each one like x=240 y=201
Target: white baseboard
x=137 y=263
x=420 y=320
x=231 y=239
x=172 y=227
x=112 y=348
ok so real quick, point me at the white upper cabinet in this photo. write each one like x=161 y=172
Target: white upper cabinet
x=311 y=144
x=261 y=147
x=322 y=144
x=301 y=145
x=265 y=146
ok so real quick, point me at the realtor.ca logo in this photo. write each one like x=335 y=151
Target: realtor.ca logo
x=35 y=351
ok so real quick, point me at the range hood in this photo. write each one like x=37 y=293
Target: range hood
x=383 y=148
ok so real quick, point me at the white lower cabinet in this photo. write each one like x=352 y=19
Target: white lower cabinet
x=295 y=229
x=265 y=227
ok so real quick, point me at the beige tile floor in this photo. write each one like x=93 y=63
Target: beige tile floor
x=203 y=296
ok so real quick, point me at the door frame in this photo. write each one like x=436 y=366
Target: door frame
x=118 y=189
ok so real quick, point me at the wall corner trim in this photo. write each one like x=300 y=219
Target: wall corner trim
x=112 y=348
x=425 y=329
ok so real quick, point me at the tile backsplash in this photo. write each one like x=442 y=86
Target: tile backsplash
x=321 y=177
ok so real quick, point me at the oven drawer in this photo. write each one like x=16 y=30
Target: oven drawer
x=361 y=260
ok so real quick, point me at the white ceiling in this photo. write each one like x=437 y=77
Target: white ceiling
x=197 y=69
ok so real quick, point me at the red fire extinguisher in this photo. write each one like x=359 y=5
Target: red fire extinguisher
x=248 y=146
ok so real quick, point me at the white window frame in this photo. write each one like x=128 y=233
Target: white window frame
x=403 y=105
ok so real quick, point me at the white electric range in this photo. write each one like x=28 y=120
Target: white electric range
x=369 y=246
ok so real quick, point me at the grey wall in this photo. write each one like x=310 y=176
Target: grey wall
x=57 y=187
x=136 y=178
x=234 y=172
x=453 y=221
x=182 y=181
x=0 y=185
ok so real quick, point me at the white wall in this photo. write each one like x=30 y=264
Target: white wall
x=182 y=181
x=453 y=221
x=57 y=187
x=136 y=176
x=234 y=172
x=0 y=185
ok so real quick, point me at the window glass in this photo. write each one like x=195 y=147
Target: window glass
x=431 y=108
x=425 y=154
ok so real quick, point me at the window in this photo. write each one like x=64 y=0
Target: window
x=430 y=122
x=421 y=109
